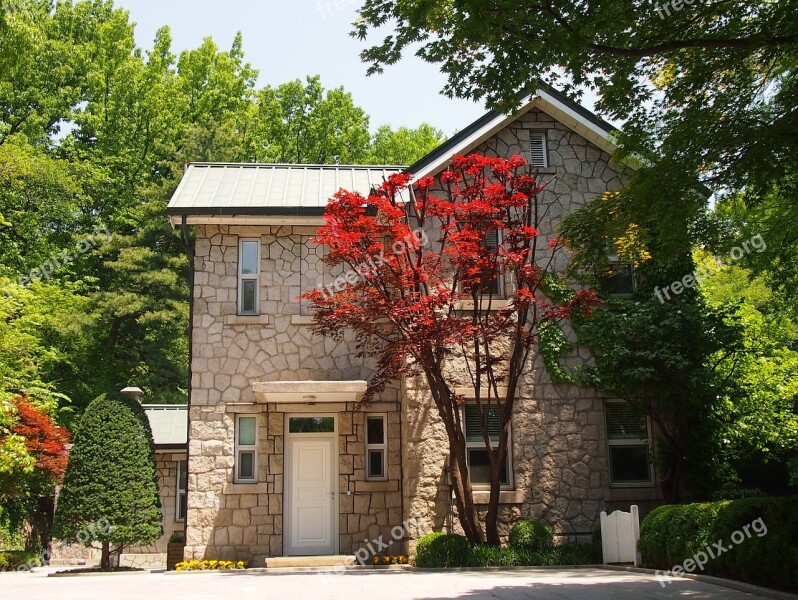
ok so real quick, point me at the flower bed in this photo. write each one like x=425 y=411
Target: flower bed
x=210 y=565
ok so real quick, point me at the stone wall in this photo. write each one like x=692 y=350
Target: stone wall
x=559 y=451
x=231 y=352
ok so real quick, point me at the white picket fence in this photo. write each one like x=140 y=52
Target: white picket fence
x=619 y=534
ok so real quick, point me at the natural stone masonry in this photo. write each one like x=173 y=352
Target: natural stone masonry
x=559 y=451
x=558 y=437
x=245 y=521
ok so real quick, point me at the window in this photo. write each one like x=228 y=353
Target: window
x=246 y=449
x=376 y=447
x=476 y=452
x=619 y=279
x=248 y=277
x=493 y=285
x=538 y=155
x=182 y=496
x=311 y=425
x=628 y=441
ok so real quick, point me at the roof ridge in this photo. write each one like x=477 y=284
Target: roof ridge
x=296 y=165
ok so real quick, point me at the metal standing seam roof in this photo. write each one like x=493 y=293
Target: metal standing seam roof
x=169 y=423
x=274 y=189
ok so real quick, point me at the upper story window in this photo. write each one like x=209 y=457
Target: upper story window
x=619 y=279
x=246 y=449
x=538 y=153
x=629 y=446
x=376 y=447
x=492 y=284
x=476 y=451
x=249 y=277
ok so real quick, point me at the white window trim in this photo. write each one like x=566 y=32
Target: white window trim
x=248 y=277
x=542 y=134
x=510 y=485
x=383 y=446
x=179 y=491
x=641 y=442
x=246 y=448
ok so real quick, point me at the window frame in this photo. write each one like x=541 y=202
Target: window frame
x=480 y=445
x=180 y=492
x=545 y=140
x=242 y=448
x=242 y=277
x=371 y=447
x=631 y=443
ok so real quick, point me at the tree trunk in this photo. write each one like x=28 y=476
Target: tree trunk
x=458 y=467
x=105 y=560
x=671 y=481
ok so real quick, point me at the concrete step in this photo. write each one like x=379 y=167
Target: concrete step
x=309 y=561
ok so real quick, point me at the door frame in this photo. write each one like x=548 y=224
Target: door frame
x=288 y=475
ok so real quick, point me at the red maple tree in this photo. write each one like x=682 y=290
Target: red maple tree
x=444 y=272
x=44 y=440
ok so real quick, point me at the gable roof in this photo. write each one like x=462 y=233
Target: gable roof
x=548 y=100
x=297 y=194
x=218 y=189
x=169 y=424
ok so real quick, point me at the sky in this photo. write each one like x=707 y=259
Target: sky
x=291 y=39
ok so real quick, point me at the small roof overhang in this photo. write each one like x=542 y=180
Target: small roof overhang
x=308 y=392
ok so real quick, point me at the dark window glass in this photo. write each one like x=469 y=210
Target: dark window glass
x=619 y=280
x=624 y=422
x=182 y=506
x=311 y=424
x=248 y=294
x=375 y=430
x=246 y=465
x=182 y=474
x=629 y=464
x=376 y=464
x=479 y=467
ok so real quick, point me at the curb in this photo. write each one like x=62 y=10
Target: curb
x=307 y=570
x=739 y=586
x=107 y=574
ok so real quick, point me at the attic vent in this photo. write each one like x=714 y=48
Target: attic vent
x=537 y=150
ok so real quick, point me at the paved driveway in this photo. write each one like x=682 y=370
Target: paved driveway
x=537 y=584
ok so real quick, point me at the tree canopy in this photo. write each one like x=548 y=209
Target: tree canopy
x=110 y=491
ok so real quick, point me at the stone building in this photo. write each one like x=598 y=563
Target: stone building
x=283 y=460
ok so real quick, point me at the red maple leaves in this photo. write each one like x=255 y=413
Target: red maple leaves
x=44 y=440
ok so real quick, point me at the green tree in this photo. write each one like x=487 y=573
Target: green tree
x=298 y=123
x=760 y=407
x=403 y=146
x=110 y=491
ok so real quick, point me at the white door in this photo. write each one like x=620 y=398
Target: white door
x=311 y=497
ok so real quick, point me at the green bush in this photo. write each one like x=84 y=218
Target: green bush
x=442 y=550
x=11 y=561
x=766 y=554
x=530 y=536
x=110 y=492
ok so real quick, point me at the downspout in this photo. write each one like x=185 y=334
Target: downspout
x=189 y=249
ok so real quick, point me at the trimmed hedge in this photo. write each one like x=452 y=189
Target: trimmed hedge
x=767 y=554
x=529 y=535
x=438 y=550
x=442 y=550
x=12 y=560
